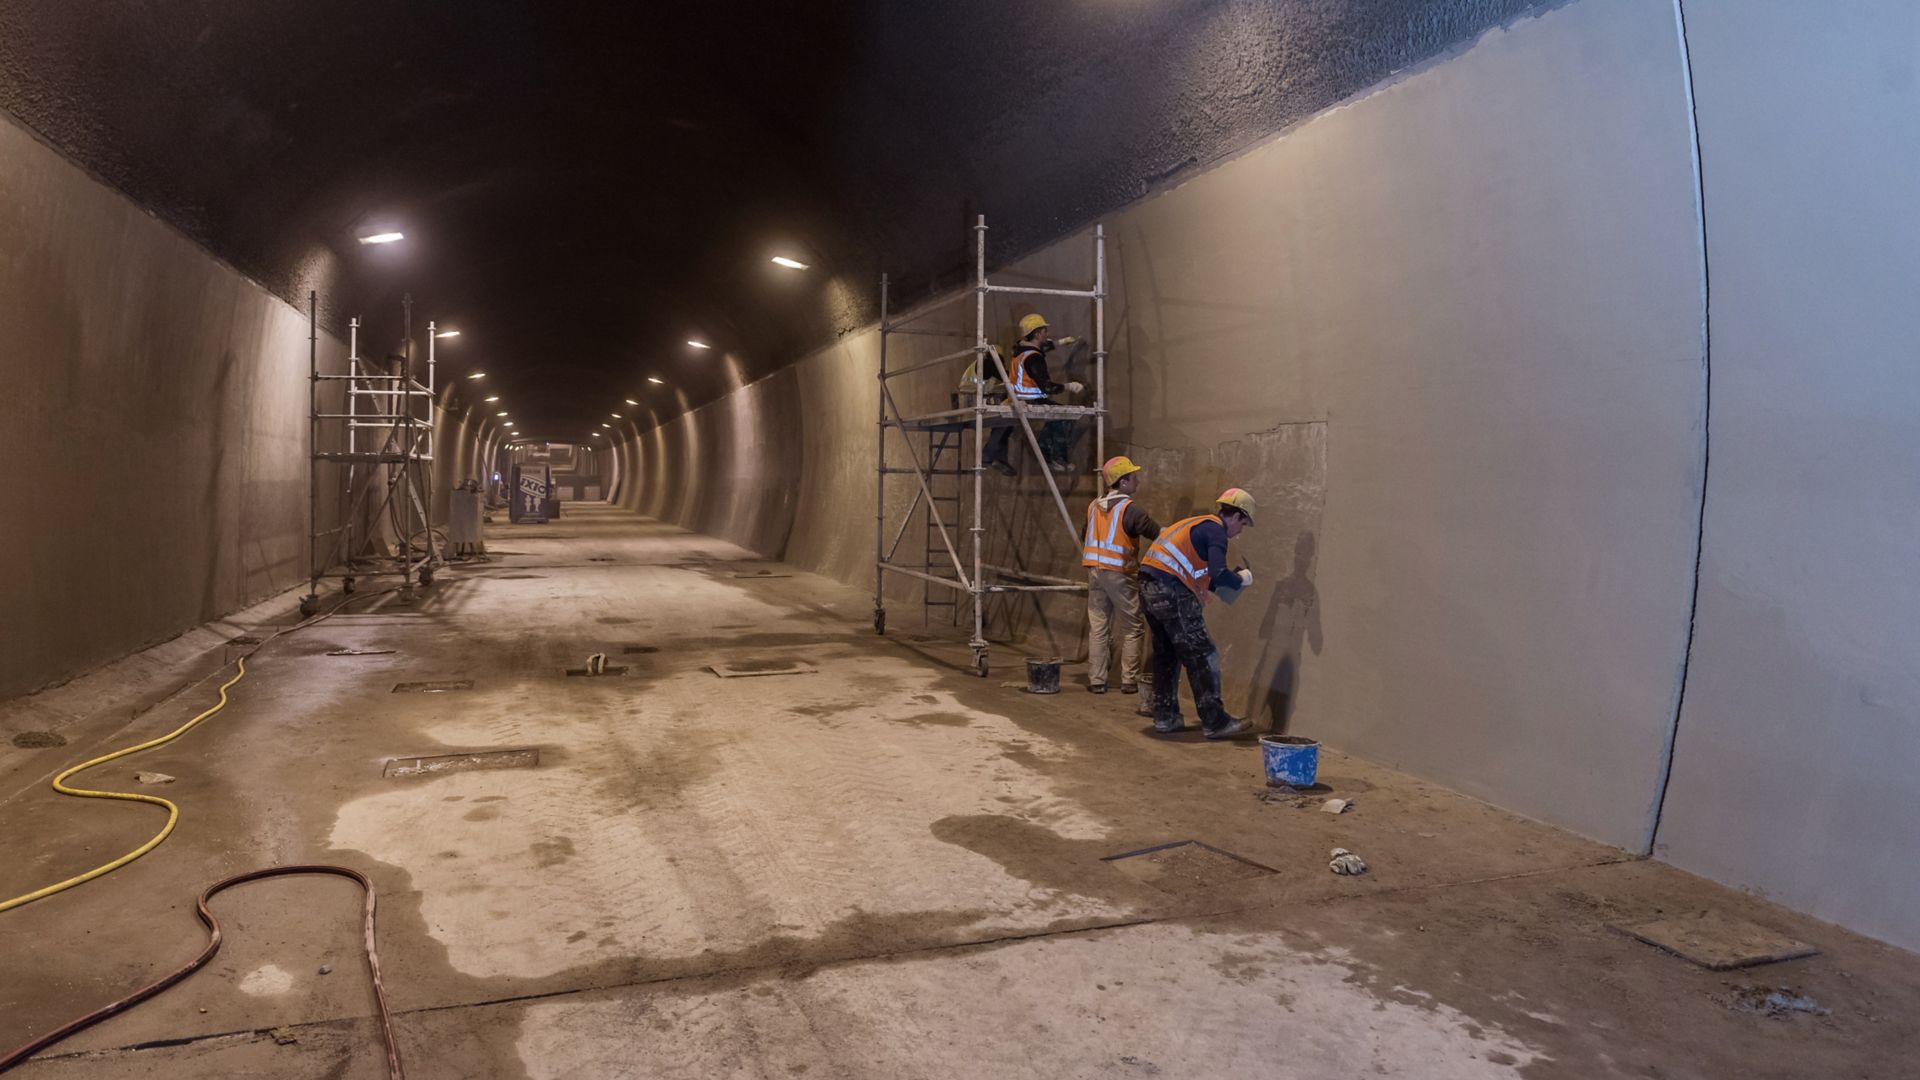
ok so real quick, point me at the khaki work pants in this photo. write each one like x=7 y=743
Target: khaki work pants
x=1111 y=593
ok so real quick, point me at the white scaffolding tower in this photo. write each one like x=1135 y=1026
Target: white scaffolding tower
x=384 y=440
x=946 y=436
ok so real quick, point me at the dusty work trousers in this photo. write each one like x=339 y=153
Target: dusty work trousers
x=1180 y=640
x=1114 y=595
x=1055 y=438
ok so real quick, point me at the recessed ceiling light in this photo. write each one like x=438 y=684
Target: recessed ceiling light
x=615 y=415
x=604 y=424
x=698 y=344
x=478 y=375
x=513 y=433
x=630 y=401
x=659 y=382
x=493 y=399
x=448 y=333
x=499 y=414
x=383 y=238
x=791 y=264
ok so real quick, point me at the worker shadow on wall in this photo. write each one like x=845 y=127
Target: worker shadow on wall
x=1290 y=626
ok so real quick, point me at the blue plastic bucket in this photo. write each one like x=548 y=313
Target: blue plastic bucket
x=1291 y=761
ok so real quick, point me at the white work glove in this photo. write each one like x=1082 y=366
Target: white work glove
x=1075 y=388
x=1246 y=578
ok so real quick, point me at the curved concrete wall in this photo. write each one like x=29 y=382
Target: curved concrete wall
x=154 y=421
x=1452 y=335
x=1800 y=737
x=154 y=425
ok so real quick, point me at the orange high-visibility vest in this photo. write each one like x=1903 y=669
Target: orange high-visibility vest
x=1173 y=553
x=1108 y=546
x=1022 y=384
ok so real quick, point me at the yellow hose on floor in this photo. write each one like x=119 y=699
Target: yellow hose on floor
x=173 y=812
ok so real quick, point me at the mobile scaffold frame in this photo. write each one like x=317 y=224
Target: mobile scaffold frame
x=948 y=431
x=384 y=438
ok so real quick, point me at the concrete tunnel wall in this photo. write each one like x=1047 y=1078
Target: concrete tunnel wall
x=155 y=421
x=1452 y=336
x=1800 y=735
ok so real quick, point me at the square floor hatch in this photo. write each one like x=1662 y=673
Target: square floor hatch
x=1185 y=866
x=1718 y=942
x=438 y=687
x=524 y=758
x=741 y=669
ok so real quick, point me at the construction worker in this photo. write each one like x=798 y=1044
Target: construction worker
x=1115 y=528
x=1029 y=380
x=1187 y=560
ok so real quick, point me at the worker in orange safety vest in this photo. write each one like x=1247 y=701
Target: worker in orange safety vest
x=1187 y=560
x=1029 y=380
x=1116 y=526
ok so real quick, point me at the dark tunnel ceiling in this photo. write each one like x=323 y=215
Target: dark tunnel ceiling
x=584 y=186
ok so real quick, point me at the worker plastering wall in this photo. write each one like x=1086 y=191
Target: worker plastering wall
x=1452 y=336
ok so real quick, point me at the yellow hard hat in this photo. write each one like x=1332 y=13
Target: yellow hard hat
x=1115 y=468
x=1031 y=322
x=1239 y=500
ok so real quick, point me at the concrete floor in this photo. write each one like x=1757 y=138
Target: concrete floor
x=883 y=868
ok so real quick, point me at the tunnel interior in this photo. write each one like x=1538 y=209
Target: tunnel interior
x=606 y=367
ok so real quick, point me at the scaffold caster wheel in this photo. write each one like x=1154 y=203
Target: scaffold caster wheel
x=880 y=621
x=309 y=606
x=980 y=664
x=346 y=586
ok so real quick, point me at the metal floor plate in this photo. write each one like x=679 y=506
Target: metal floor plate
x=1186 y=866
x=1718 y=942
x=744 y=669
x=440 y=686
x=523 y=758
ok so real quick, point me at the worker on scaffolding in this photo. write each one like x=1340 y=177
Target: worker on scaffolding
x=1188 y=560
x=1115 y=527
x=1031 y=382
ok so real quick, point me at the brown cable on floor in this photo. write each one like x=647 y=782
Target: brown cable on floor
x=394 y=1071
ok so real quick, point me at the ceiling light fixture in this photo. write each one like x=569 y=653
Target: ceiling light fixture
x=604 y=424
x=448 y=333
x=791 y=264
x=630 y=401
x=657 y=382
x=615 y=415
x=500 y=414
x=493 y=399
x=478 y=375
x=698 y=344
x=383 y=238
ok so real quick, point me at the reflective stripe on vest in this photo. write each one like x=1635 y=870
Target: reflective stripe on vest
x=1023 y=384
x=1107 y=548
x=1173 y=552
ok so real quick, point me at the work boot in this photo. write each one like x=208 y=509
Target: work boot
x=1235 y=725
x=1096 y=688
x=1061 y=467
x=1003 y=468
x=1129 y=687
